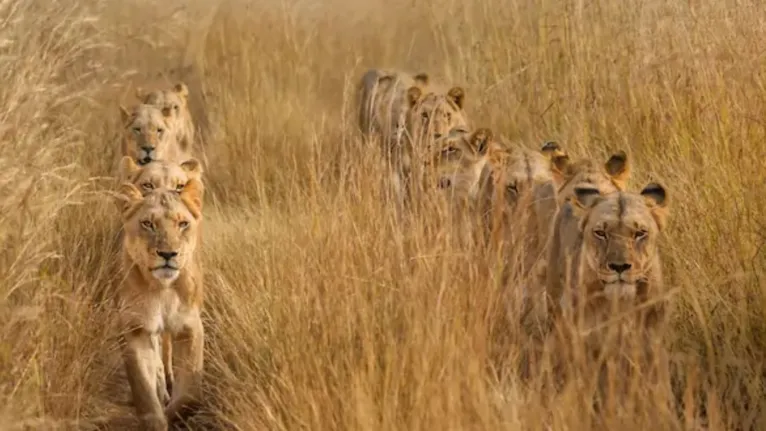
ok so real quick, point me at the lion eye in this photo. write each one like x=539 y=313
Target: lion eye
x=424 y=116
x=180 y=187
x=160 y=130
x=600 y=234
x=641 y=234
x=176 y=108
x=136 y=130
x=449 y=116
x=148 y=225
x=450 y=150
x=512 y=188
x=148 y=186
x=183 y=224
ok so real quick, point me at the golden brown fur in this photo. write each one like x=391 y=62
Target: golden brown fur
x=161 y=294
x=454 y=162
x=607 y=177
x=174 y=104
x=616 y=259
x=149 y=136
x=519 y=204
x=159 y=174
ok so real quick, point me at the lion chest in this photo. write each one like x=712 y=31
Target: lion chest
x=159 y=311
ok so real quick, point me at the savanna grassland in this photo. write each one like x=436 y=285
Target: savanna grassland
x=322 y=311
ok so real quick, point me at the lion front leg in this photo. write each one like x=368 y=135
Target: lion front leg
x=161 y=382
x=141 y=363
x=167 y=360
x=188 y=344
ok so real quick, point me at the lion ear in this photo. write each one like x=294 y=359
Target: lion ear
x=140 y=95
x=413 y=95
x=127 y=196
x=127 y=168
x=457 y=94
x=422 y=78
x=181 y=89
x=584 y=199
x=480 y=140
x=559 y=166
x=124 y=114
x=192 y=195
x=193 y=168
x=656 y=198
x=551 y=149
x=618 y=168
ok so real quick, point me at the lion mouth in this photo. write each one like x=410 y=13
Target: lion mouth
x=165 y=273
x=620 y=289
x=145 y=160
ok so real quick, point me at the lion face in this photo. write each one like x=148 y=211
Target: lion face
x=148 y=134
x=161 y=228
x=159 y=174
x=609 y=177
x=521 y=176
x=455 y=162
x=173 y=103
x=432 y=115
x=619 y=238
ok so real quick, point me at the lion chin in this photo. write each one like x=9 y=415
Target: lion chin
x=620 y=290
x=165 y=275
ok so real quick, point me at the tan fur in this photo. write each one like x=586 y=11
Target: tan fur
x=454 y=162
x=174 y=103
x=519 y=206
x=149 y=136
x=155 y=301
x=159 y=174
x=616 y=260
x=385 y=99
x=607 y=178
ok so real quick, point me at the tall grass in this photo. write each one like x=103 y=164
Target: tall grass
x=322 y=311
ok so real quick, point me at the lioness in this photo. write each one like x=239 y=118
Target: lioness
x=159 y=174
x=455 y=162
x=161 y=293
x=174 y=103
x=149 y=136
x=406 y=110
x=609 y=177
x=615 y=252
x=519 y=205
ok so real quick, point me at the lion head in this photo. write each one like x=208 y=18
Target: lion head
x=148 y=134
x=161 y=229
x=607 y=177
x=159 y=174
x=455 y=162
x=618 y=256
x=432 y=114
x=174 y=104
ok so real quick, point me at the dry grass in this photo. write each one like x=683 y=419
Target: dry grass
x=320 y=312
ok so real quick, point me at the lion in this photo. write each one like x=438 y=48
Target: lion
x=161 y=295
x=382 y=101
x=388 y=100
x=159 y=174
x=149 y=136
x=615 y=255
x=607 y=178
x=455 y=162
x=174 y=103
x=519 y=205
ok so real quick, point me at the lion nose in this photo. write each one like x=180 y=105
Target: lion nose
x=619 y=267
x=148 y=148
x=444 y=183
x=167 y=255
